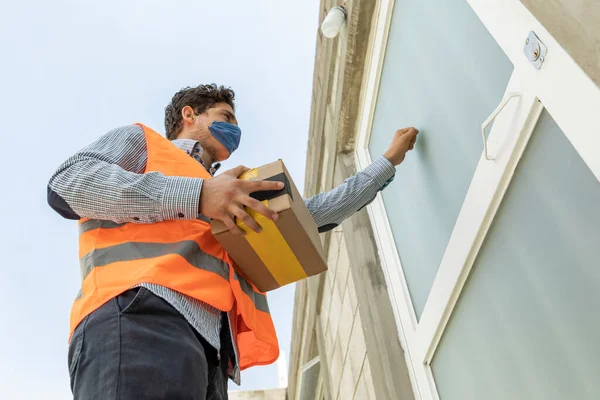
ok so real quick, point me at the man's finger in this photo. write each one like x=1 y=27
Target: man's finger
x=231 y=225
x=412 y=143
x=260 y=207
x=412 y=132
x=241 y=214
x=237 y=171
x=404 y=131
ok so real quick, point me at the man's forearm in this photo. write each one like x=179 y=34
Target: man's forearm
x=106 y=181
x=98 y=190
x=329 y=209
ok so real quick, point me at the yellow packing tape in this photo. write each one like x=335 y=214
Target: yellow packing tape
x=272 y=249
x=249 y=175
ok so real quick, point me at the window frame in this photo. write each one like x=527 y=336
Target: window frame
x=310 y=364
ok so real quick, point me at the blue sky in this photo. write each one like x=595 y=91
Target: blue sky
x=71 y=71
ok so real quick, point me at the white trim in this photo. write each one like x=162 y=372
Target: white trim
x=560 y=86
x=376 y=56
x=310 y=364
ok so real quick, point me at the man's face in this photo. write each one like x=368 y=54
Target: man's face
x=221 y=112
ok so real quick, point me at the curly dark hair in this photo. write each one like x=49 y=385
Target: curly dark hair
x=200 y=98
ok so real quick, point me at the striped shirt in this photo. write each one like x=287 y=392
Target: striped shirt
x=106 y=181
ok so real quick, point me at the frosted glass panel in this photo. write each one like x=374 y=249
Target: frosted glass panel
x=310 y=381
x=527 y=325
x=444 y=74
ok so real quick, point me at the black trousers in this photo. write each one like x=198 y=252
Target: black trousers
x=137 y=347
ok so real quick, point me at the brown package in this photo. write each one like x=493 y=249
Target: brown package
x=285 y=251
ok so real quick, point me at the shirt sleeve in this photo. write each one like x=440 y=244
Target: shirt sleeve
x=329 y=209
x=106 y=181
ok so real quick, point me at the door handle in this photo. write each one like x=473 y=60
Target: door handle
x=491 y=118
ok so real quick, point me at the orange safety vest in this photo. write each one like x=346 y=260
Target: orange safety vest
x=181 y=255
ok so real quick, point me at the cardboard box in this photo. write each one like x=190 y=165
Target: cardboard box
x=283 y=252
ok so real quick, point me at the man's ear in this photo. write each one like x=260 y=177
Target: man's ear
x=188 y=115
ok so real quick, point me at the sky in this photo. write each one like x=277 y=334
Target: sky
x=73 y=70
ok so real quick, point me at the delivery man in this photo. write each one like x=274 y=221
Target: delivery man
x=161 y=313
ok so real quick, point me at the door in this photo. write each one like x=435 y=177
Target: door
x=489 y=240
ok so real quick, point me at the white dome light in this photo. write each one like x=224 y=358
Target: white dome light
x=333 y=22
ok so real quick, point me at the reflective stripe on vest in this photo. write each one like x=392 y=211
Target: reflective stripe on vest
x=92 y=224
x=181 y=255
x=259 y=299
x=139 y=250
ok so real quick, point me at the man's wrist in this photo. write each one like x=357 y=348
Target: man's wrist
x=388 y=157
x=181 y=198
x=381 y=170
x=392 y=158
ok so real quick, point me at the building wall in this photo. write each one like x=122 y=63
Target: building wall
x=269 y=394
x=332 y=329
x=336 y=312
x=345 y=347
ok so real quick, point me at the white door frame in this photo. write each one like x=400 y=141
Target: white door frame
x=560 y=86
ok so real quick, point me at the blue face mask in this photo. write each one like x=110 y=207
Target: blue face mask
x=227 y=134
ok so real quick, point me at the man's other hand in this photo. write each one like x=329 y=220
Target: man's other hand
x=225 y=196
x=404 y=140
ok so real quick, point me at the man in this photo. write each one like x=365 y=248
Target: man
x=161 y=313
